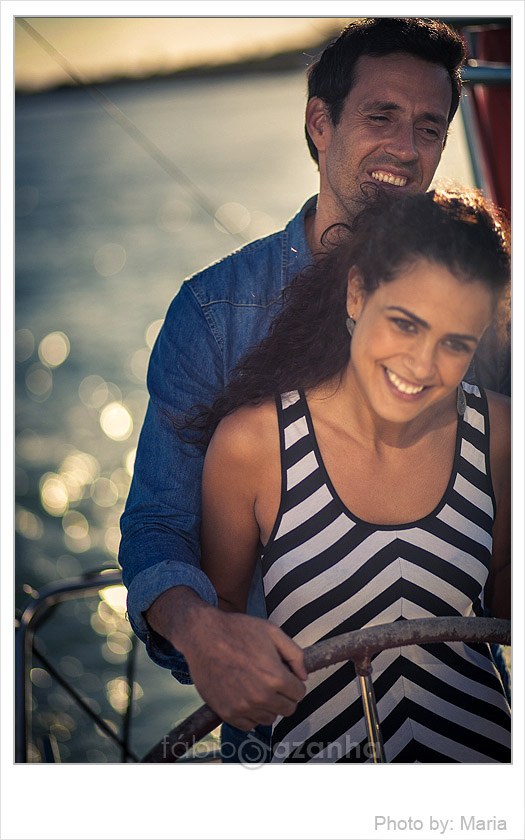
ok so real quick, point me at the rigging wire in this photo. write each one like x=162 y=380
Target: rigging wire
x=130 y=128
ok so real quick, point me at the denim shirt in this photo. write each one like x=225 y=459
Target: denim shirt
x=217 y=315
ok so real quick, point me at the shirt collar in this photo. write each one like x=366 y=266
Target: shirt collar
x=297 y=254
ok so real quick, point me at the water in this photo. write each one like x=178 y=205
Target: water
x=104 y=238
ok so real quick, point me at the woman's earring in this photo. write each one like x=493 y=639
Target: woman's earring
x=350 y=325
x=461 y=402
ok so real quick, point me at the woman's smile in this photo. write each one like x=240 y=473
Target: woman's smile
x=402 y=387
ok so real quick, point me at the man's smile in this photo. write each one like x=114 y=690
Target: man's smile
x=389 y=178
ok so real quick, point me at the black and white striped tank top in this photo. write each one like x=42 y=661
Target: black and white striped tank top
x=326 y=572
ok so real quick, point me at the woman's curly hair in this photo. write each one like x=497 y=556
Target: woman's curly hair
x=308 y=342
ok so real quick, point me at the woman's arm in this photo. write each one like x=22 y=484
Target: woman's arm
x=498 y=587
x=239 y=471
x=232 y=477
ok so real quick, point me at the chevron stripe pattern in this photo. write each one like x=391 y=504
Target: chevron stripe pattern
x=326 y=572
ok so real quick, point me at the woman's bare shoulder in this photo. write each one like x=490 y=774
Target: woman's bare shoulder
x=498 y=402
x=500 y=442
x=248 y=432
x=500 y=418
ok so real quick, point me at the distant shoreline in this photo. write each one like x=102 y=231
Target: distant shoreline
x=288 y=60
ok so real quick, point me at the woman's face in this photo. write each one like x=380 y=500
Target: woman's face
x=414 y=337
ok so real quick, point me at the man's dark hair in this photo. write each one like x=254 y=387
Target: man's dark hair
x=332 y=76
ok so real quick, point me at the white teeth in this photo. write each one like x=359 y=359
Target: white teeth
x=403 y=386
x=396 y=180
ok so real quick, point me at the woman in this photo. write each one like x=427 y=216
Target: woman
x=372 y=484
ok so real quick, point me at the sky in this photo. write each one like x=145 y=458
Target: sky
x=106 y=46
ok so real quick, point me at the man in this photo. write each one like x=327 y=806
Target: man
x=381 y=98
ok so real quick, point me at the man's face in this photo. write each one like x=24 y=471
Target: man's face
x=391 y=131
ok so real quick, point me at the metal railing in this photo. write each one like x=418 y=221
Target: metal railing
x=34 y=613
x=26 y=650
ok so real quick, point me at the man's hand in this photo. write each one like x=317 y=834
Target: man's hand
x=246 y=669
